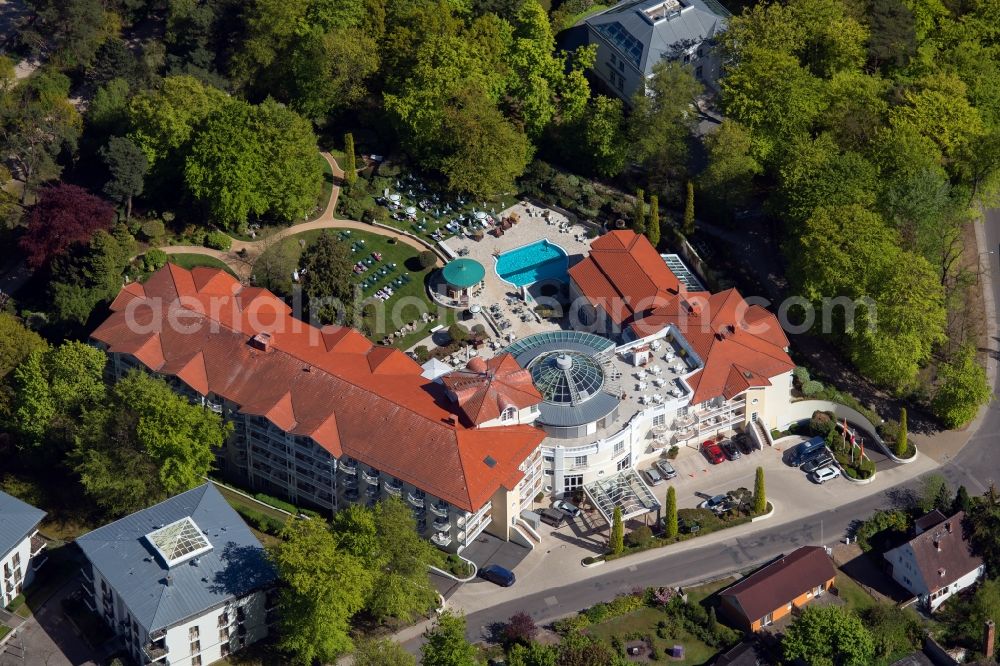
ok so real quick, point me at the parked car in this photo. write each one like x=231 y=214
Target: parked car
x=553 y=517
x=744 y=443
x=802 y=452
x=498 y=575
x=666 y=470
x=717 y=503
x=712 y=451
x=824 y=474
x=568 y=508
x=822 y=459
x=729 y=450
x=653 y=476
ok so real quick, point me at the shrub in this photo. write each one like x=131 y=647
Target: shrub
x=426 y=259
x=571 y=624
x=218 y=240
x=640 y=537
x=539 y=497
x=153 y=229
x=457 y=333
x=260 y=521
x=887 y=523
x=422 y=353
x=811 y=388
x=801 y=375
x=821 y=424
x=276 y=503
x=673 y=451
x=154 y=259
x=520 y=628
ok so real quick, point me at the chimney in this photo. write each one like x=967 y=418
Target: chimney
x=989 y=638
x=261 y=341
x=937 y=544
x=168 y=581
x=947 y=526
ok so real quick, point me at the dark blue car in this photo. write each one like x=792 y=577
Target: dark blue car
x=498 y=575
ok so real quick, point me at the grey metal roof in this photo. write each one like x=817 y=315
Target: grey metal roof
x=643 y=42
x=235 y=566
x=567 y=415
x=17 y=520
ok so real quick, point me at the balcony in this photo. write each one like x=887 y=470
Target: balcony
x=415 y=499
x=372 y=492
x=349 y=482
x=442 y=525
x=370 y=477
x=155 y=651
x=89 y=603
x=351 y=494
x=439 y=509
x=37 y=544
x=87 y=575
x=349 y=467
x=441 y=540
x=394 y=488
x=684 y=422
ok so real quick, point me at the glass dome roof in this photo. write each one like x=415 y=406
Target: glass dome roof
x=566 y=377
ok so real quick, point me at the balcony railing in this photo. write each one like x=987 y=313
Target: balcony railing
x=442 y=525
x=154 y=651
x=87 y=576
x=393 y=488
x=89 y=603
x=348 y=467
x=415 y=500
x=369 y=477
x=350 y=482
x=37 y=544
x=439 y=509
x=441 y=539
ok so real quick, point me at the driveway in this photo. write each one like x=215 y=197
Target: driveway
x=48 y=637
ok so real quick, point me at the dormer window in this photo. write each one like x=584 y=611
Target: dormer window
x=508 y=414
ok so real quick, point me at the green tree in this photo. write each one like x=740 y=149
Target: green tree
x=661 y=121
x=653 y=228
x=382 y=652
x=828 y=635
x=617 y=532
x=895 y=631
x=902 y=446
x=579 y=649
x=934 y=494
x=671 y=519
x=350 y=167
x=984 y=525
x=445 y=643
x=17 y=343
x=533 y=654
x=962 y=501
x=147 y=444
x=54 y=388
x=327 y=283
x=90 y=274
x=727 y=181
x=759 y=493
x=322 y=588
x=127 y=166
x=597 y=140
x=402 y=589
x=689 y=209
x=962 y=387
x=639 y=212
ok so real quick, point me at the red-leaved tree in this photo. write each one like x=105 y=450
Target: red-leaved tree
x=64 y=215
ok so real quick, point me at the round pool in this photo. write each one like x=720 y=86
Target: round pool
x=541 y=260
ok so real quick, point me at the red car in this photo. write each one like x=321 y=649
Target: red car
x=713 y=452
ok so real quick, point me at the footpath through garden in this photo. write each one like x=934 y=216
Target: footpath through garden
x=241 y=256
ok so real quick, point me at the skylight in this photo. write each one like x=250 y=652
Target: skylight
x=179 y=541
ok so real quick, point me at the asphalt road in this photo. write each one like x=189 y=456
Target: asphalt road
x=975 y=466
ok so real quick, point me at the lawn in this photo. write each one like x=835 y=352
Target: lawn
x=191 y=260
x=236 y=500
x=644 y=621
x=699 y=593
x=407 y=301
x=853 y=594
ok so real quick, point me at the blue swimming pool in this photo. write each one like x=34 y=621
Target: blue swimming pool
x=526 y=265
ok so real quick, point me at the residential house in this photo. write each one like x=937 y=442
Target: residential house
x=936 y=563
x=324 y=417
x=183 y=582
x=771 y=593
x=634 y=35
x=20 y=546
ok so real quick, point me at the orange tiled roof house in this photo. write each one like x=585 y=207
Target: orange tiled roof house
x=326 y=418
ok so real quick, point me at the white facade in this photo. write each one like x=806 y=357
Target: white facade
x=923 y=585
x=18 y=567
x=195 y=641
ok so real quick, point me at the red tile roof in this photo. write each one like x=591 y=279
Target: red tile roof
x=741 y=345
x=781 y=581
x=331 y=384
x=625 y=276
x=485 y=388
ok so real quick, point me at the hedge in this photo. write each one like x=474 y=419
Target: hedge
x=260 y=521
x=218 y=240
x=277 y=503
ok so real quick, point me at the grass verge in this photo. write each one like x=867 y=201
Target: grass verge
x=189 y=261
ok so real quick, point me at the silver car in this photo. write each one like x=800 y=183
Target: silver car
x=667 y=470
x=654 y=477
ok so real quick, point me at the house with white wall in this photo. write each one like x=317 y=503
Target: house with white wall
x=21 y=548
x=634 y=35
x=937 y=563
x=183 y=582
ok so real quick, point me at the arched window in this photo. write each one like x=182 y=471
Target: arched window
x=508 y=414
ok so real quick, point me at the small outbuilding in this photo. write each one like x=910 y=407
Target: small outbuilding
x=461 y=276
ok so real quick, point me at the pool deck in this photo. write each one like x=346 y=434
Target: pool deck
x=533 y=226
